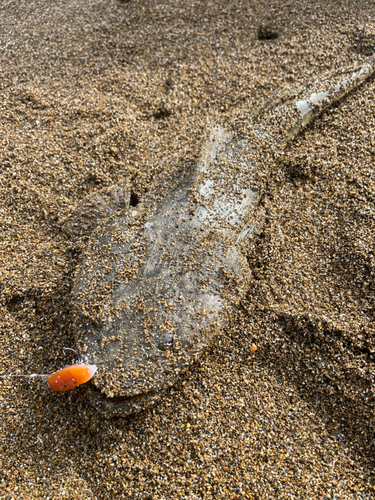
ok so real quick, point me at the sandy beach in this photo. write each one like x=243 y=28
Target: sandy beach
x=96 y=93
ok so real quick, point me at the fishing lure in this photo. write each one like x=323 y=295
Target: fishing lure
x=71 y=376
x=67 y=378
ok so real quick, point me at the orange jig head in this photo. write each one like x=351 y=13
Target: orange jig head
x=71 y=376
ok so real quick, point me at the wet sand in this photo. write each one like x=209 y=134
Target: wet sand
x=95 y=94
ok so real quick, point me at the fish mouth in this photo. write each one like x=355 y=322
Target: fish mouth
x=121 y=406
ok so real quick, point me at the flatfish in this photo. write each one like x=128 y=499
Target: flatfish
x=156 y=282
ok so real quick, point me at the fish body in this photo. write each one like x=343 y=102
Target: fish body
x=155 y=285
